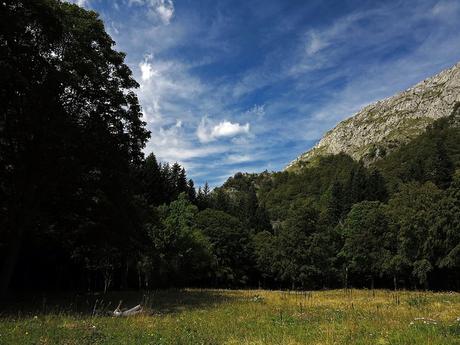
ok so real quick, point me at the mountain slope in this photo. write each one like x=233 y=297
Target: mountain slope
x=383 y=126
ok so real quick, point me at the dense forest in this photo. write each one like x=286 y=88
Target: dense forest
x=82 y=207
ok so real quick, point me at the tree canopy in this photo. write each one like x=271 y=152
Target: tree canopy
x=82 y=208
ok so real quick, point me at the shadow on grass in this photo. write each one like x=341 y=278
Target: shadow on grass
x=98 y=304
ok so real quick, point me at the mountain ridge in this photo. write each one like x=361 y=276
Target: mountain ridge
x=383 y=126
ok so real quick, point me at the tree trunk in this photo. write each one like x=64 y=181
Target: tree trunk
x=346 y=278
x=10 y=260
x=124 y=276
x=21 y=216
x=139 y=277
x=107 y=279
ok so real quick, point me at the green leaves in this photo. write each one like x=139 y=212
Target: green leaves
x=367 y=240
x=179 y=252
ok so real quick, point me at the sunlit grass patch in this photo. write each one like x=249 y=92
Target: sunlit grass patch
x=251 y=317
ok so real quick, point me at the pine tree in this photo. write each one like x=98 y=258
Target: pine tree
x=191 y=191
x=174 y=180
x=442 y=168
x=376 y=188
x=220 y=200
x=152 y=182
x=206 y=190
x=358 y=184
x=334 y=207
x=168 y=189
x=203 y=197
x=182 y=183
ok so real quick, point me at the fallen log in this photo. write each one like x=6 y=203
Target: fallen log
x=133 y=311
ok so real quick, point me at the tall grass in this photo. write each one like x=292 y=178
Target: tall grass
x=244 y=317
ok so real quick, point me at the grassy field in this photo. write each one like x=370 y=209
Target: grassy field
x=240 y=317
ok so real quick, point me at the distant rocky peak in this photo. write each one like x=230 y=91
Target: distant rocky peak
x=382 y=126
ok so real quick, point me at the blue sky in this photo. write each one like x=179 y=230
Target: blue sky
x=230 y=86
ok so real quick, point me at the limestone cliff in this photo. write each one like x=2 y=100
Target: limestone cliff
x=383 y=126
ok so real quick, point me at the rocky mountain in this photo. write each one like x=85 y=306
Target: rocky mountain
x=383 y=126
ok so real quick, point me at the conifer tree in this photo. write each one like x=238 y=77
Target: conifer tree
x=335 y=207
x=182 y=183
x=191 y=192
x=376 y=188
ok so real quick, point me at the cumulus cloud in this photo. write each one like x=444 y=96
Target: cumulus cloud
x=207 y=132
x=229 y=129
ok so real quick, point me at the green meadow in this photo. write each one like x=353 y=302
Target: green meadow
x=194 y=316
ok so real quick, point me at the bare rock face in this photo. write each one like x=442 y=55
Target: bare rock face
x=383 y=126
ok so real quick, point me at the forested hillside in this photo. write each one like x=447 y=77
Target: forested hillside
x=82 y=208
x=395 y=222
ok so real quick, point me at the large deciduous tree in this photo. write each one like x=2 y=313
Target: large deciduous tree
x=70 y=130
x=180 y=254
x=231 y=247
x=367 y=240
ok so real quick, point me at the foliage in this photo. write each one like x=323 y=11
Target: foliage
x=368 y=241
x=231 y=247
x=180 y=253
x=70 y=135
x=82 y=208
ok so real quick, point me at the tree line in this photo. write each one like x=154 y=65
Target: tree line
x=81 y=207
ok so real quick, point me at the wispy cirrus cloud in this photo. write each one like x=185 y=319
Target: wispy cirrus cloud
x=272 y=76
x=165 y=10
x=161 y=9
x=315 y=43
x=393 y=58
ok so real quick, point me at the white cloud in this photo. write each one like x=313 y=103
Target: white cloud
x=229 y=129
x=152 y=112
x=257 y=111
x=167 y=92
x=172 y=144
x=315 y=43
x=81 y=3
x=146 y=70
x=445 y=8
x=174 y=94
x=165 y=10
x=162 y=9
x=207 y=132
x=113 y=28
x=182 y=154
x=238 y=158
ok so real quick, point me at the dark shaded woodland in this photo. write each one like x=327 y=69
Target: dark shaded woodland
x=82 y=208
